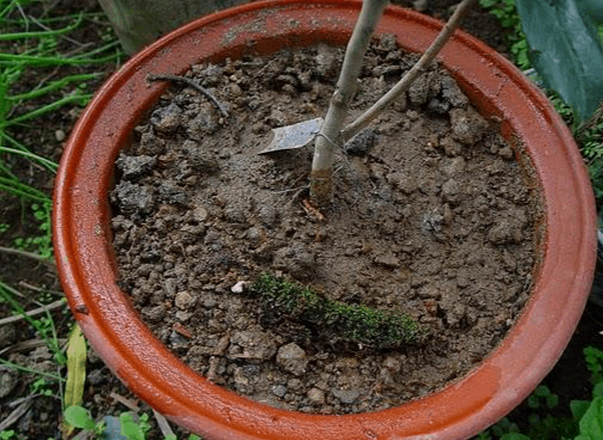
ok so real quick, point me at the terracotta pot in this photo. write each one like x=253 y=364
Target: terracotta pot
x=88 y=270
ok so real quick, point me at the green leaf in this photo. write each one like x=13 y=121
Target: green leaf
x=594 y=8
x=79 y=417
x=129 y=428
x=76 y=367
x=591 y=424
x=566 y=50
x=579 y=408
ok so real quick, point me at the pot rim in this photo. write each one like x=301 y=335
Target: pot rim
x=87 y=268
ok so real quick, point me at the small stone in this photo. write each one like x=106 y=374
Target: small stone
x=468 y=126
x=454 y=167
x=8 y=335
x=420 y=5
x=418 y=93
x=404 y=182
x=200 y=214
x=212 y=75
x=393 y=364
x=133 y=167
x=279 y=390
x=452 y=93
x=151 y=144
x=254 y=343
x=326 y=61
x=132 y=198
x=155 y=314
x=506 y=153
x=316 y=396
x=504 y=232
x=388 y=260
x=171 y=192
x=452 y=192
x=239 y=287
x=167 y=119
x=59 y=135
x=346 y=396
x=292 y=358
x=8 y=381
x=451 y=147
x=184 y=300
x=268 y=215
x=96 y=377
x=295 y=259
x=202 y=160
x=361 y=143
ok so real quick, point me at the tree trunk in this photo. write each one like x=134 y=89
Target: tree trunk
x=140 y=22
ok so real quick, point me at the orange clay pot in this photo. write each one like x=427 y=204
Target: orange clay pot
x=87 y=268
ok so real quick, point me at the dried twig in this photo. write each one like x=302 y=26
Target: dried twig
x=46 y=308
x=15 y=415
x=130 y=404
x=29 y=345
x=164 y=425
x=11 y=251
x=192 y=84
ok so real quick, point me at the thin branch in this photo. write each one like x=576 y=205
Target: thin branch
x=47 y=308
x=410 y=76
x=190 y=83
x=11 y=251
x=14 y=416
x=324 y=151
x=164 y=425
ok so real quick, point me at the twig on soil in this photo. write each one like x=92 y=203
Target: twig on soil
x=21 y=253
x=48 y=307
x=130 y=404
x=14 y=416
x=192 y=84
x=164 y=425
x=363 y=120
x=29 y=345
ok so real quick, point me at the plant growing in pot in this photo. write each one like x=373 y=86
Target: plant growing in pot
x=87 y=265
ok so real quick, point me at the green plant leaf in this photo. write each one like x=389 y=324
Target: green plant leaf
x=591 y=424
x=76 y=367
x=566 y=50
x=129 y=428
x=79 y=417
x=594 y=8
x=579 y=408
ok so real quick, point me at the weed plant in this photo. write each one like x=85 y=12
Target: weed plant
x=45 y=73
x=589 y=135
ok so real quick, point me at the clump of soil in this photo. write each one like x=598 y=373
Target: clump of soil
x=432 y=216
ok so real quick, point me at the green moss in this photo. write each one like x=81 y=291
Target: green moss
x=357 y=323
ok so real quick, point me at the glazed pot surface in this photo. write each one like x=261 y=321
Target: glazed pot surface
x=88 y=272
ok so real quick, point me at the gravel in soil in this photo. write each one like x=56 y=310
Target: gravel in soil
x=432 y=216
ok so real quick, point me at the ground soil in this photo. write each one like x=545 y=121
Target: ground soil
x=104 y=394
x=432 y=216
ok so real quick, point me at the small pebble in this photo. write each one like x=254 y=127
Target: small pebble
x=279 y=390
x=184 y=300
x=316 y=396
x=346 y=396
x=292 y=358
